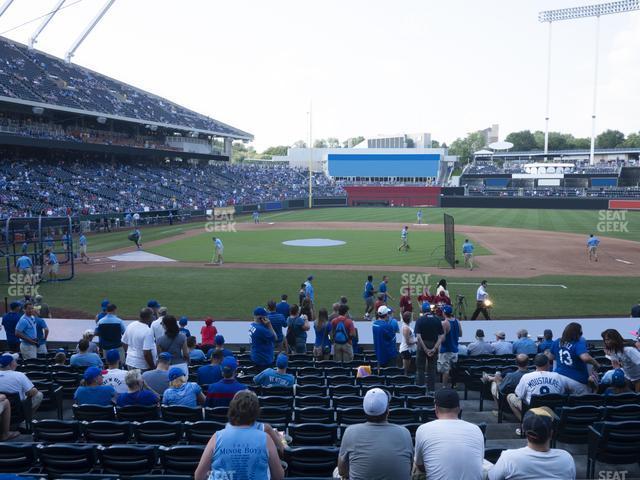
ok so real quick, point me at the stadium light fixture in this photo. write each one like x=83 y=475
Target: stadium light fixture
x=4 y=6
x=586 y=11
x=87 y=30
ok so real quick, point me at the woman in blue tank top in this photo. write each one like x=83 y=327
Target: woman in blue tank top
x=241 y=451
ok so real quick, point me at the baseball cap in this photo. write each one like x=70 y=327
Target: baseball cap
x=447 y=398
x=480 y=333
x=91 y=373
x=425 y=306
x=165 y=357
x=88 y=332
x=501 y=335
x=175 y=372
x=219 y=340
x=260 y=312
x=183 y=320
x=384 y=310
x=548 y=332
x=376 y=402
x=113 y=355
x=229 y=364
x=153 y=304
x=13 y=305
x=7 y=358
x=447 y=309
x=537 y=424
x=282 y=361
x=617 y=379
x=104 y=303
x=540 y=360
x=310 y=277
x=208 y=321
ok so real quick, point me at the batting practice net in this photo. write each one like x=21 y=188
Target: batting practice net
x=449 y=240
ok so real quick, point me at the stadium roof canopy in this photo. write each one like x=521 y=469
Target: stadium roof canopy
x=34 y=78
x=563 y=153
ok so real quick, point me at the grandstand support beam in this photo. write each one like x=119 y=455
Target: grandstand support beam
x=45 y=21
x=595 y=95
x=87 y=30
x=546 y=116
x=4 y=6
x=310 y=154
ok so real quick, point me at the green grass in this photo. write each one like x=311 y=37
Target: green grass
x=233 y=294
x=363 y=247
x=102 y=242
x=572 y=221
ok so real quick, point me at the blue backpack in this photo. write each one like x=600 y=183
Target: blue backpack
x=341 y=337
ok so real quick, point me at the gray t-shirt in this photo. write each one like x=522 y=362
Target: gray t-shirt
x=156 y=380
x=173 y=346
x=377 y=451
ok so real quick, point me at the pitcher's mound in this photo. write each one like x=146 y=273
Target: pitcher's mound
x=140 y=256
x=314 y=242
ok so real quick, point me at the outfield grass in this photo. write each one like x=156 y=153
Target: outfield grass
x=363 y=247
x=102 y=242
x=572 y=221
x=233 y=294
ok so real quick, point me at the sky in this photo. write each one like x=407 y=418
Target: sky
x=366 y=67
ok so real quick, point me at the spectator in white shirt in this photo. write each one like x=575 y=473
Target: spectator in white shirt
x=157 y=326
x=537 y=460
x=115 y=376
x=139 y=343
x=539 y=382
x=482 y=298
x=448 y=447
x=17 y=382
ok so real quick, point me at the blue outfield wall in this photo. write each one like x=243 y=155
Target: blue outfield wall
x=383 y=165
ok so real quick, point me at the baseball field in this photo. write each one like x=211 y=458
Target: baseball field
x=534 y=260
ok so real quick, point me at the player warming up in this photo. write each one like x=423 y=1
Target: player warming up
x=136 y=238
x=592 y=248
x=467 y=252
x=419 y=215
x=404 y=236
x=218 y=252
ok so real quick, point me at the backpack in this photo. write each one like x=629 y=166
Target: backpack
x=341 y=337
x=291 y=334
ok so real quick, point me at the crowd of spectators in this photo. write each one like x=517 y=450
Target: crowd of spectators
x=592 y=192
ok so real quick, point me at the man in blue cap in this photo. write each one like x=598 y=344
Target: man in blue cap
x=154 y=305
x=115 y=376
x=9 y=322
x=103 y=309
x=278 y=322
x=219 y=347
x=448 y=356
x=212 y=373
x=430 y=335
x=92 y=391
x=220 y=393
x=110 y=329
x=183 y=326
x=263 y=339
x=384 y=338
x=279 y=378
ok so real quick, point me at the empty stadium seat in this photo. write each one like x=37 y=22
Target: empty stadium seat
x=276 y=401
x=93 y=412
x=160 y=432
x=349 y=416
x=128 y=459
x=58 y=459
x=312 y=401
x=275 y=415
x=614 y=443
x=138 y=413
x=181 y=459
x=314 y=415
x=217 y=414
x=324 y=434
x=311 y=461
x=404 y=415
x=574 y=422
x=107 y=432
x=17 y=457
x=56 y=431
x=201 y=432
x=621 y=413
x=181 y=413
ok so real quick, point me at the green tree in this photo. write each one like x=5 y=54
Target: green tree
x=610 y=139
x=523 y=141
x=632 y=141
x=300 y=144
x=240 y=152
x=279 y=150
x=353 y=141
x=320 y=143
x=333 y=142
x=581 y=143
x=464 y=147
x=435 y=144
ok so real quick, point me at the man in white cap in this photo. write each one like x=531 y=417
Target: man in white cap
x=377 y=449
x=501 y=346
x=17 y=382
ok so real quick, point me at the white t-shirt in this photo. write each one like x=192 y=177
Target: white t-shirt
x=629 y=361
x=115 y=378
x=540 y=383
x=14 y=382
x=138 y=338
x=450 y=449
x=528 y=464
x=157 y=328
x=481 y=294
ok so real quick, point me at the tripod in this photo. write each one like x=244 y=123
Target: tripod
x=460 y=311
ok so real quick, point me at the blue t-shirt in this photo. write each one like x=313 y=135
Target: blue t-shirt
x=384 y=341
x=568 y=361
x=40 y=326
x=219 y=244
x=141 y=397
x=308 y=290
x=322 y=336
x=297 y=323
x=278 y=322
x=368 y=290
x=221 y=393
x=271 y=377
x=525 y=345
x=450 y=343
x=593 y=242
x=208 y=374
x=240 y=453
x=185 y=395
x=545 y=345
x=48 y=241
x=467 y=248
x=382 y=289
x=9 y=322
x=27 y=326
x=185 y=332
x=262 y=344
x=196 y=355
x=24 y=263
x=225 y=352
x=83 y=240
x=85 y=360
x=98 y=395
x=283 y=308
x=53 y=259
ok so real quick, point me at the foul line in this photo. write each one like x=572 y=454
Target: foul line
x=515 y=284
x=623 y=261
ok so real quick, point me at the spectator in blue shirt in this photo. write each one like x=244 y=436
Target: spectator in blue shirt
x=51 y=260
x=9 y=322
x=220 y=393
x=85 y=358
x=263 y=339
x=297 y=328
x=42 y=332
x=135 y=394
x=27 y=332
x=382 y=289
x=181 y=392
x=212 y=373
x=279 y=377
x=92 y=391
x=368 y=295
x=322 y=329
x=384 y=338
x=308 y=288
x=547 y=341
x=110 y=329
x=24 y=265
x=524 y=344
x=195 y=354
x=103 y=310
x=278 y=322
x=183 y=326
x=219 y=347
x=283 y=307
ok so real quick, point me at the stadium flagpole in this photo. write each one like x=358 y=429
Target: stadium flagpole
x=546 y=117
x=310 y=154
x=595 y=94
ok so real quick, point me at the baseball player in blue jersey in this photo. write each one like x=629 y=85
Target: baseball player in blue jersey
x=592 y=247
x=219 y=251
x=405 y=241
x=467 y=252
x=419 y=215
x=83 y=248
